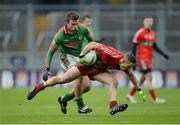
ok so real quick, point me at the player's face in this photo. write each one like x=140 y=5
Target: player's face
x=148 y=22
x=88 y=22
x=124 y=64
x=73 y=25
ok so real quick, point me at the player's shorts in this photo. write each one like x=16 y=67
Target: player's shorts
x=90 y=71
x=72 y=60
x=144 y=66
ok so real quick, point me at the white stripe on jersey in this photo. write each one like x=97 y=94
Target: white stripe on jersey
x=137 y=35
x=109 y=52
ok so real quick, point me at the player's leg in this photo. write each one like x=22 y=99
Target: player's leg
x=80 y=85
x=78 y=89
x=108 y=78
x=152 y=92
x=69 y=76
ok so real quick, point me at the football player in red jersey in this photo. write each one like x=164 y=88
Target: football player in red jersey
x=107 y=58
x=144 y=43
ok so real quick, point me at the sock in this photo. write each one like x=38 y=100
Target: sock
x=132 y=91
x=39 y=87
x=153 y=94
x=112 y=104
x=80 y=103
x=68 y=97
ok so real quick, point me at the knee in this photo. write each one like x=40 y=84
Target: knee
x=115 y=83
x=87 y=88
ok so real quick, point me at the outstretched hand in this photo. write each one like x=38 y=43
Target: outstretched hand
x=141 y=94
x=83 y=60
x=46 y=74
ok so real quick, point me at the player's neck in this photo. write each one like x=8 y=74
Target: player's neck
x=148 y=29
x=69 y=31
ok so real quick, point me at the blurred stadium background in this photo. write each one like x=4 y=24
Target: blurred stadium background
x=27 y=29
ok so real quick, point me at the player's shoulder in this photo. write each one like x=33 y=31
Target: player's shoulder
x=59 y=33
x=141 y=30
x=82 y=26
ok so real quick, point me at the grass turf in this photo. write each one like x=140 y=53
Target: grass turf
x=44 y=108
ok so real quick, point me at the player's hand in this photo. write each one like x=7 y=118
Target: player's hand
x=83 y=60
x=141 y=94
x=166 y=56
x=46 y=74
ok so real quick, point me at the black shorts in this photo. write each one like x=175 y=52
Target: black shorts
x=145 y=71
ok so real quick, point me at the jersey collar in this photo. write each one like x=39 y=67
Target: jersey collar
x=65 y=30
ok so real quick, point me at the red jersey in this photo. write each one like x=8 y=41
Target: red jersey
x=108 y=56
x=144 y=40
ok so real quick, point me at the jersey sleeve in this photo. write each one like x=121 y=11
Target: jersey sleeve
x=52 y=49
x=87 y=33
x=137 y=37
x=155 y=38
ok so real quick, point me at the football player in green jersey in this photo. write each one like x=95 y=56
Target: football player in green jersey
x=69 y=41
x=84 y=85
x=87 y=20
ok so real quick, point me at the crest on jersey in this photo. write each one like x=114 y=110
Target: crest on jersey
x=80 y=37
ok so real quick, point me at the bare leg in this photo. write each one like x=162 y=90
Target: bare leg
x=149 y=80
x=150 y=87
x=142 y=79
x=77 y=88
x=69 y=76
x=109 y=79
x=83 y=85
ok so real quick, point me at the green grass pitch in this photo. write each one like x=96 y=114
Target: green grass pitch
x=44 y=108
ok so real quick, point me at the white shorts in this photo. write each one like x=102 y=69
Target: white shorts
x=72 y=60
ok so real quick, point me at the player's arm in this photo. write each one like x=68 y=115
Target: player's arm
x=87 y=33
x=157 y=49
x=136 y=40
x=133 y=79
x=52 y=49
x=90 y=46
x=134 y=49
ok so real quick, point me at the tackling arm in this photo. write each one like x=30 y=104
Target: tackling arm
x=136 y=84
x=90 y=46
x=132 y=78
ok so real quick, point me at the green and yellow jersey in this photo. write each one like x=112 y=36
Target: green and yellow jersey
x=93 y=34
x=67 y=43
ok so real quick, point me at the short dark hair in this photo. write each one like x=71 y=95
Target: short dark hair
x=72 y=15
x=86 y=16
